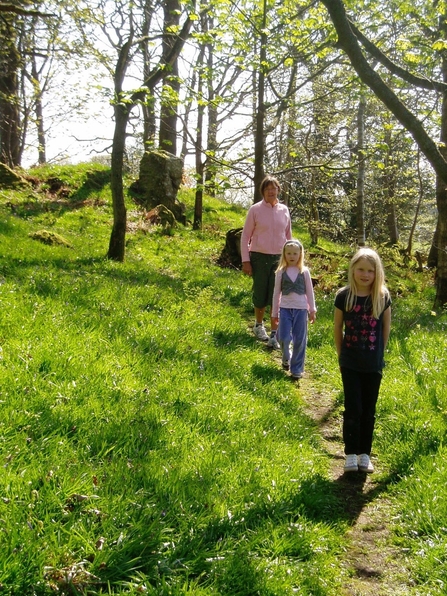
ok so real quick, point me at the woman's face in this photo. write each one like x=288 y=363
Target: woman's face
x=271 y=193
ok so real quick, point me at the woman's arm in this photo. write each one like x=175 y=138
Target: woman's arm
x=289 y=233
x=338 y=329
x=247 y=233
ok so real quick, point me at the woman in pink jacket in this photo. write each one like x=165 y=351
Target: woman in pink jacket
x=267 y=227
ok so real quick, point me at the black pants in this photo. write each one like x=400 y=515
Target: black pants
x=361 y=392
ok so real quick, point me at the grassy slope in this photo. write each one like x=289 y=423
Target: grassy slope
x=150 y=443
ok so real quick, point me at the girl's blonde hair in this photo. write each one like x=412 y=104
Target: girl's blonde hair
x=379 y=292
x=283 y=261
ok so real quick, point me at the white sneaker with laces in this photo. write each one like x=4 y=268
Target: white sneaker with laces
x=273 y=343
x=260 y=332
x=351 y=464
x=365 y=464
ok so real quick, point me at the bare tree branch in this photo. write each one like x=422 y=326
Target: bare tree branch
x=394 y=68
x=7 y=7
x=348 y=42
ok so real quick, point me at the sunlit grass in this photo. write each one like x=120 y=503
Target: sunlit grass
x=150 y=444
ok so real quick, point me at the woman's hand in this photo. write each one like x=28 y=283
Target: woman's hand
x=246 y=268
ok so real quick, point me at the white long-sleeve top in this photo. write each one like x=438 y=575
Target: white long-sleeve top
x=293 y=300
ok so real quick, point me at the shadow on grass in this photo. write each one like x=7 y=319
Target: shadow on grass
x=21 y=270
x=316 y=501
x=268 y=373
x=229 y=340
x=7 y=228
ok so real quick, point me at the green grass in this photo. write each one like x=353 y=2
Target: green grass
x=150 y=445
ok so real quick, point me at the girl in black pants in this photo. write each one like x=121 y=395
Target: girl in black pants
x=362 y=322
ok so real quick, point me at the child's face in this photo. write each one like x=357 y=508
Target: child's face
x=364 y=275
x=292 y=255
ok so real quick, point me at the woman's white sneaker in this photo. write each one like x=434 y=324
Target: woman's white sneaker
x=260 y=332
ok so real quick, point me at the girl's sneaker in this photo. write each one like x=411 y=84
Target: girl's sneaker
x=273 y=343
x=351 y=464
x=365 y=464
x=285 y=364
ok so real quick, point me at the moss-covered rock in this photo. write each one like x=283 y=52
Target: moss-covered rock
x=10 y=178
x=159 y=180
x=50 y=238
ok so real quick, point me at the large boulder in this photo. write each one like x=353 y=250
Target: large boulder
x=160 y=177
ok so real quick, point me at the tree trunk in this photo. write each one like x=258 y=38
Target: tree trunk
x=148 y=107
x=441 y=271
x=117 y=239
x=9 y=93
x=38 y=108
x=171 y=85
x=211 y=142
x=259 y=172
x=186 y=115
x=314 y=219
x=122 y=111
x=360 y=195
x=389 y=191
x=291 y=117
x=432 y=259
x=441 y=191
x=409 y=248
x=198 y=204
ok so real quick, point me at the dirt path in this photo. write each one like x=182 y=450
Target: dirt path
x=374 y=565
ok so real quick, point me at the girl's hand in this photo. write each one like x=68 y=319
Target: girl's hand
x=275 y=320
x=312 y=317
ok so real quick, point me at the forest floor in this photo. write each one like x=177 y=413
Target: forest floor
x=375 y=566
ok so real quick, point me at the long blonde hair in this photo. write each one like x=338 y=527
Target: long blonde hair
x=379 y=292
x=283 y=261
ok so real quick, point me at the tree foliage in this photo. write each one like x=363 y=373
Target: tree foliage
x=344 y=102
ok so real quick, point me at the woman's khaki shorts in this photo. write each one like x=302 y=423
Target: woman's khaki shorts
x=263 y=274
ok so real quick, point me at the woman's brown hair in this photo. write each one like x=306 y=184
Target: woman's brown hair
x=267 y=181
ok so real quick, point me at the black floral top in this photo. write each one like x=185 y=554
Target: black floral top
x=362 y=346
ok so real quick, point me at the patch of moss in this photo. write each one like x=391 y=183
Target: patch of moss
x=50 y=238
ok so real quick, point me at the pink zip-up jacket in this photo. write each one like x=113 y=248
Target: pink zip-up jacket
x=266 y=229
